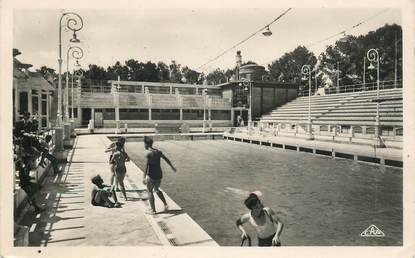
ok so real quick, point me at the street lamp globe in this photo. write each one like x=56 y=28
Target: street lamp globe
x=74 y=38
x=267 y=32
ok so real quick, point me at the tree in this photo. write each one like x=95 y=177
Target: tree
x=95 y=72
x=117 y=70
x=163 y=72
x=216 y=77
x=175 y=72
x=134 y=70
x=288 y=67
x=229 y=73
x=47 y=73
x=150 y=72
x=191 y=76
x=350 y=51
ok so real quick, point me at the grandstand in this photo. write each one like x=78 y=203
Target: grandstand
x=348 y=114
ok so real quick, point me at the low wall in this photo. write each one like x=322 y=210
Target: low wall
x=176 y=137
x=151 y=123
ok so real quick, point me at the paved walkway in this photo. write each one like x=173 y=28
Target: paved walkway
x=70 y=219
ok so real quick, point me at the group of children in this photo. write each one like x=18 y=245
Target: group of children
x=267 y=225
x=101 y=193
x=29 y=144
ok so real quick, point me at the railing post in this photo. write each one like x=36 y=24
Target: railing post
x=296 y=129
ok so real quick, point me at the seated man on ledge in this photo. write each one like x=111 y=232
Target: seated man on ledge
x=100 y=195
x=44 y=148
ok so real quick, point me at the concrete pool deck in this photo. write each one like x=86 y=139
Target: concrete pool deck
x=70 y=219
x=364 y=153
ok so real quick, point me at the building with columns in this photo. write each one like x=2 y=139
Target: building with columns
x=145 y=104
x=31 y=93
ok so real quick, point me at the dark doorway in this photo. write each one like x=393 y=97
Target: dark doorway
x=86 y=116
x=23 y=102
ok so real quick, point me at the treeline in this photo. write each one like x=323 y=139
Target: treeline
x=344 y=60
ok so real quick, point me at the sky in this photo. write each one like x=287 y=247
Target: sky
x=191 y=37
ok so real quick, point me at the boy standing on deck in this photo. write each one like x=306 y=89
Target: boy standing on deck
x=153 y=173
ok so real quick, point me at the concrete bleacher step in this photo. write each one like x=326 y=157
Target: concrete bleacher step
x=369 y=112
x=356 y=123
x=370 y=102
x=352 y=108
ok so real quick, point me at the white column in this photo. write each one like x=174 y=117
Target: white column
x=92 y=113
x=39 y=107
x=29 y=101
x=48 y=100
x=17 y=102
x=78 y=102
x=117 y=117
x=66 y=99
x=79 y=118
x=209 y=119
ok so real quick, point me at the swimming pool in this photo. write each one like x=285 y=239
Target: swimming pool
x=321 y=201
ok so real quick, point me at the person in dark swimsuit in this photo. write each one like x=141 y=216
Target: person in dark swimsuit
x=263 y=219
x=153 y=173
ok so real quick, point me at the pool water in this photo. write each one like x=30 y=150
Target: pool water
x=321 y=201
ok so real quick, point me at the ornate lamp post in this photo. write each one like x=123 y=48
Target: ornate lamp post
x=76 y=53
x=117 y=106
x=204 y=91
x=306 y=72
x=248 y=86
x=78 y=74
x=373 y=56
x=75 y=23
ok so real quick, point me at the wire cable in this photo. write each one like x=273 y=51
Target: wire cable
x=244 y=40
x=337 y=34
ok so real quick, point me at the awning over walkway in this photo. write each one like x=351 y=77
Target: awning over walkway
x=35 y=83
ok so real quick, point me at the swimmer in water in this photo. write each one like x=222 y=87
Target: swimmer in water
x=264 y=220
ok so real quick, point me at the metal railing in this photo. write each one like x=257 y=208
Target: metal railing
x=362 y=131
x=350 y=88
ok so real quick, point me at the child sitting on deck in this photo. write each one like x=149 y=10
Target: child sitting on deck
x=100 y=195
